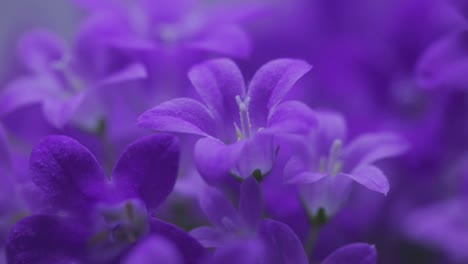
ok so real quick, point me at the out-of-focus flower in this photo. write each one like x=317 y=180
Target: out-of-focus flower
x=229 y=224
x=152 y=250
x=276 y=242
x=170 y=25
x=445 y=62
x=442 y=226
x=238 y=125
x=357 y=253
x=325 y=169
x=60 y=80
x=90 y=217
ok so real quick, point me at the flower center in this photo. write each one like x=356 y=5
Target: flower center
x=122 y=225
x=332 y=164
x=245 y=130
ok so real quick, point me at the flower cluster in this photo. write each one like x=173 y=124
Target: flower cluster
x=192 y=131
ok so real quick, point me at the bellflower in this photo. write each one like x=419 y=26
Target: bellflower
x=326 y=167
x=443 y=226
x=163 y=25
x=276 y=242
x=92 y=218
x=60 y=79
x=238 y=124
x=444 y=63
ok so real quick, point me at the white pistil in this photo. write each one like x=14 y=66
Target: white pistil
x=332 y=164
x=244 y=117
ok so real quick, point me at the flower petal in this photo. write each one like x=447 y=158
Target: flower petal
x=359 y=253
x=208 y=236
x=39 y=48
x=60 y=112
x=291 y=117
x=305 y=178
x=251 y=203
x=282 y=244
x=241 y=251
x=332 y=126
x=45 y=239
x=257 y=154
x=214 y=160
x=328 y=193
x=217 y=207
x=370 y=148
x=270 y=84
x=18 y=93
x=443 y=64
x=180 y=115
x=148 y=169
x=191 y=251
x=372 y=178
x=132 y=72
x=229 y=40
x=154 y=248
x=67 y=173
x=218 y=82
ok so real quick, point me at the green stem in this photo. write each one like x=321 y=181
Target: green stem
x=312 y=239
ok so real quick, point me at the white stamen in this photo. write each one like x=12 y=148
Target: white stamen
x=244 y=116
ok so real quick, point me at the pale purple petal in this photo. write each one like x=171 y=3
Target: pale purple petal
x=217 y=207
x=129 y=73
x=39 y=48
x=190 y=249
x=67 y=173
x=215 y=160
x=251 y=203
x=357 y=253
x=154 y=249
x=242 y=251
x=270 y=84
x=58 y=112
x=332 y=126
x=208 y=236
x=45 y=239
x=282 y=244
x=148 y=169
x=257 y=154
x=218 y=82
x=180 y=115
x=20 y=92
x=229 y=40
x=291 y=117
x=444 y=64
x=370 y=148
x=305 y=178
x=371 y=177
x=329 y=193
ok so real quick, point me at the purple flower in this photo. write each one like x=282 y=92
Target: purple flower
x=232 y=229
x=230 y=224
x=166 y=25
x=60 y=80
x=357 y=253
x=154 y=248
x=443 y=226
x=444 y=63
x=238 y=124
x=93 y=218
x=326 y=167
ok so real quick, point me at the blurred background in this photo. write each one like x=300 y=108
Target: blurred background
x=398 y=65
